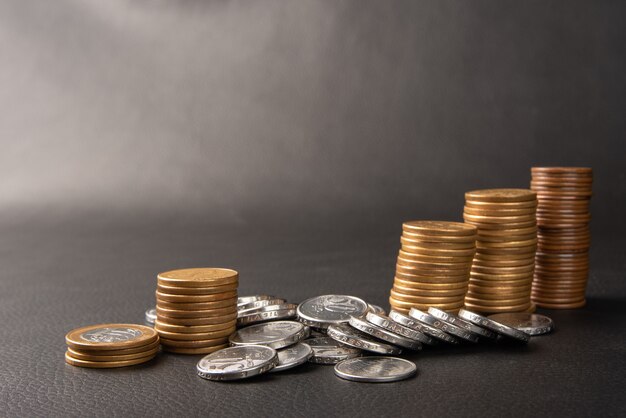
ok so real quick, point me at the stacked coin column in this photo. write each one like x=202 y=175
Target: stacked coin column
x=196 y=309
x=502 y=271
x=562 y=261
x=433 y=265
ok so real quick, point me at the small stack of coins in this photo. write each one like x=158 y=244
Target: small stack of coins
x=562 y=261
x=502 y=271
x=196 y=309
x=111 y=345
x=433 y=265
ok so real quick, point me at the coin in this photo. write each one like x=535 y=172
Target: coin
x=495 y=326
x=531 y=324
x=151 y=316
x=501 y=195
x=175 y=313
x=375 y=369
x=390 y=325
x=180 y=290
x=194 y=329
x=293 y=356
x=288 y=312
x=110 y=337
x=559 y=305
x=197 y=306
x=425 y=299
x=193 y=351
x=322 y=311
x=277 y=334
x=328 y=351
x=432 y=279
x=375 y=308
x=237 y=362
x=210 y=342
x=382 y=334
x=214 y=320
x=439 y=238
x=266 y=308
x=442 y=252
x=242 y=300
x=443 y=326
x=345 y=334
x=415 y=291
x=398 y=304
x=461 y=323
x=496 y=309
x=198 y=277
x=195 y=298
x=439 y=228
x=501 y=205
x=78 y=355
x=120 y=352
x=105 y=364
x=191 y=336
x=425 y=329
x=436 y=245
x=436 y=258
x=260 y=304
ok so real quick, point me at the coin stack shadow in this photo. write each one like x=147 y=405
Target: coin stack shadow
x=196 y=309
x=502 y=271
x=433 y=265
x=562 y=260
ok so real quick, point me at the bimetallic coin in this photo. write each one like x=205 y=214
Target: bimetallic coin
x=382 y=334
x=444 y=326
x=105 y=364
x=110 y=337
x=345 y=334
x=151 y=316
x=288 y=312
x=376 y=309
x=293 y=356
x=501 y=329
x=375 y=369
x=114 y=357
x=461 y=323
x=242 y=300
x=328 y=351
x=322 y=311
x=392 y=326
x=237 y=362
x=260 y=304
x=531 y=324
x=276 y=334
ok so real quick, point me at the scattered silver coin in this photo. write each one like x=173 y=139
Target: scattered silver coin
x=392 y=326
x=322 y=311
x=151 y=316
x=382 y=334
x=237 y=362
x=376 y=309
x=293 y=356
x=259 y=304
x=501 y=329
x=530 y=323
x=288 y=311
x=426 y=329
x=277 y=334
x=328 y=351
x=375 y=369
x=247 y=299
x=346 y=334
x=266 y=308
x=442 y=325
x=461 y=323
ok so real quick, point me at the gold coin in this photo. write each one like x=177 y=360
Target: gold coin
x=196 y=336
x=506 y=244
x=501 y=276
x=504 y=263
x=504 y=270
x=197 y=321
x=202 y=350
x=430 y=279
x=482 y=219
x=175 y=290
x=558 y=299
x=420 y=271
x=437 y=245
x=492 y=212
x=424 y=299
x=498 y=302
x=439 y=238
x=110 y=337
x=195 y=298
x=436 y=259
x=487 y=258
x=496 y=309
x=437 y=251
x=198 y=305
x=527 y=251
x=123 y=351
x=547 y=305
x=212 y=342
x=562 y=171
x=486 y=240
x=501 y=195
x=430 y=286
x=438 y=228
x=501 y=283
x=398 y=304
x=499 y=290
x=507 y=232
x=411 y=291
x=105 y=364
x=489 y=227
x=458 y=267
x=218 y=312
x=198 y=277
x=501 y=205
x=84 y=355
x=192 y=329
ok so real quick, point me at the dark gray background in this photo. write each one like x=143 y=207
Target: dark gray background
x=289 y=140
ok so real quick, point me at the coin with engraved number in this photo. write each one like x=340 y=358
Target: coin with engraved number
x=382 y=334
x=286 y=311
x=237 y=362
x=461 y=323
x=501 y=329
x=322 y=311
x=151 y=316
x=260 y=304
x=267 y=308
x=442 y=325
x=328 y=351
x=392 y=326
x=293 y=356
x=346 y=334
x=375 y=369
x=531 y=324
x=277 y=334
x=426 y=329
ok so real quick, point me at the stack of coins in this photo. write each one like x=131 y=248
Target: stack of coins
x=433 y=265
x=562 y=261
x=502 y=271
x=196 y=309
x=111 y=345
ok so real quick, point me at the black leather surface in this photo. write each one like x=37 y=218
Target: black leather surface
x=60 y=275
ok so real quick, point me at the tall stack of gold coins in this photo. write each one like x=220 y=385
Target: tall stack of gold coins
x=562 y=262
x=196 y=309
x=433 y=265
x=502 y=271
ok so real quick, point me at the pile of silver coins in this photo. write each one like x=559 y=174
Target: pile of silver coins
x=274 y=335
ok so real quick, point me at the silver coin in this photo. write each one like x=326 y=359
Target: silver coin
x=267 y=308
x=265 y=316
x=382 y=334
x=442 y=325
x=531 y=324
x=461 y=323
x=501 y=329
x=151 y=316
x=375 y=369
x=260 y=304
x=392 y=326
x=293 y=356
x=322 y=311
x=237 y=362
x=277 y=334
x=376 y=309
x=328 y=351
x=426 y=329
x=345 y=334
x=247 y=299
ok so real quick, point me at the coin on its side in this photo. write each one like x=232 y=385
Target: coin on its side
x=426 y=329
x=241 y=300
x=276 y=334
x=322 y=311
x=237 y=362
x=151 y=316
x=392 y=326
x=375 y=369
x=382 y=334
x=328 y=351
x=442 y=325
x=455 y=320
x=346 y=334
x=532 y=324
x=286 y=311
x=293 y=356
x=259 y=304
x=501 y=329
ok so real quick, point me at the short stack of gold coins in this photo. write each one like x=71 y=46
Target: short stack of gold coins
x=107 y=346
x=562 y=261
x=433 y=265
x=196 y=309
x=502 y=271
